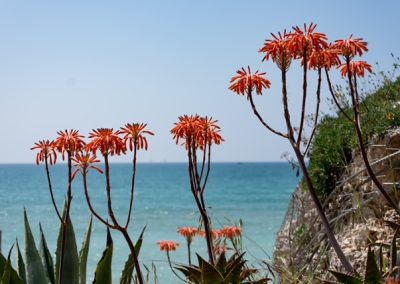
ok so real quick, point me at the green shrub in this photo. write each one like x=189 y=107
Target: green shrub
x=335 y=139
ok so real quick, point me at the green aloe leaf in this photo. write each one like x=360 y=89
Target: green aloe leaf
x=71 y=259
x=35 y=272
x=20 y=264
x=47 y=259
x=14 y=275
x=221 y=263
x=209 y=273
x=127 y=272
x=372 y=274
x=10 y=276
x=6 y=278
x=103 y=274
x=192 y=273
x=233 y=275
x=83 y=254
x=346 y=278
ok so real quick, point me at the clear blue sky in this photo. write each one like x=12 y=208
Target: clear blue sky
x=90 y=64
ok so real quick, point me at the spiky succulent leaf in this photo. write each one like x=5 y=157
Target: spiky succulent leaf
x=192 y=273
x=372 y=274
x=6 y=278
x=14 y=275
x=46 y=257
x=344 y=277
x=233 y=261
x=221 y=263
x=83 y=254
x=20 y=264
x=209 y=274
x=71 y=259
x=35 y=272
x=103 y=274
x=234 y=273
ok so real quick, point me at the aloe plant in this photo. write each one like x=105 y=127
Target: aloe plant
x=372 y=273
x=39 y=267
x=231 y=271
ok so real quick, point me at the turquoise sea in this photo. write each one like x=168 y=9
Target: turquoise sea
x=257 y=193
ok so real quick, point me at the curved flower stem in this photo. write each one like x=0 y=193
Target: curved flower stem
x=303 y=106
x=328 y=230
x=357 y=125
x=250 y=97
x=172 y=268
x=204 y=158
x=198 y=196
x=133 y=186
x=51 y=189
x=123 y=230
x=316 y=113
x=88 y=201
x=286 y=112
x=66 y=218
x=335 y=99
x=108 y=189
x=208 y=169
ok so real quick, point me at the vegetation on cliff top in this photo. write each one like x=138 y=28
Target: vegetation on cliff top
x=336 y=139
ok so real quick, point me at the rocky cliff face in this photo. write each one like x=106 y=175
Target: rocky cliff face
x=357 y=213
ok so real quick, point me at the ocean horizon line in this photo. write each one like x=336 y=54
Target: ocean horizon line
x=154 y=163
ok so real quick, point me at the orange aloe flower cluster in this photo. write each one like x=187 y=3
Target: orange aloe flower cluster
x=305 y=41
x=231 y=232
x=324 y=58
x=134 y=135
x=196 y=130
x=351 y=47
x=215 y=233
x=306 y=44
x=245 y=82
x=70 y=142
x=188 y=232
x=168 y=246
x=84 y=162
x=107 y=141
x=357 y=68
x=46 y=151
x=277 y=50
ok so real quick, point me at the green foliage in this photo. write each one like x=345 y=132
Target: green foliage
x=232 y=271
x=335 y=138
x=46 y=257
x=71 y=259
x=103 y=274
x=7 y=274
x=83 y=254
x=300 y=233
x=38 y=266
x=35 y=272
x=20 y=264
